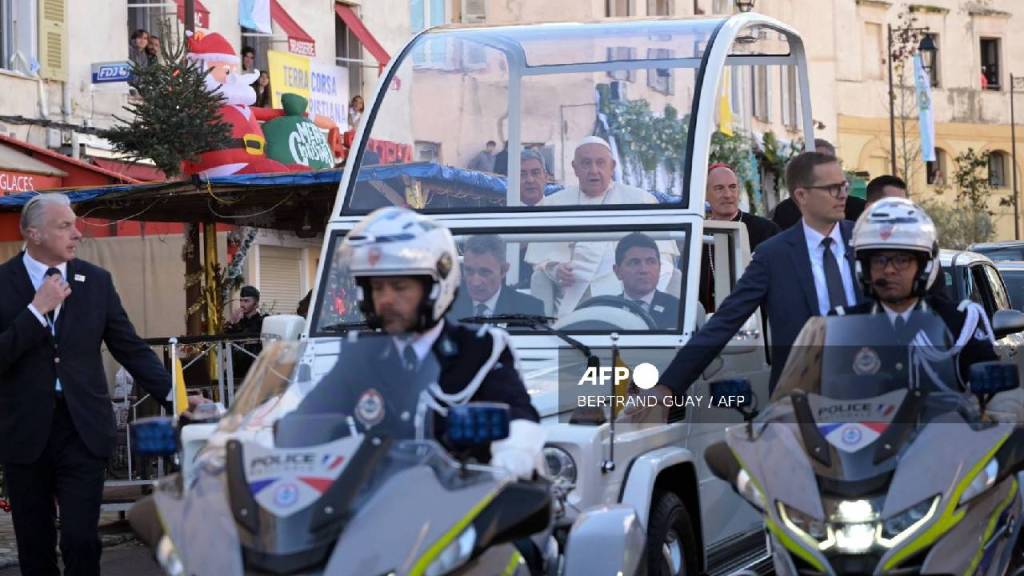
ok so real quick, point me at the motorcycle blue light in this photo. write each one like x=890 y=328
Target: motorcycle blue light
x=477 y=424
x=154 y=436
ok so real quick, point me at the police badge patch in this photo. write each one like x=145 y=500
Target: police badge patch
x=866 y=362
x=370 y=408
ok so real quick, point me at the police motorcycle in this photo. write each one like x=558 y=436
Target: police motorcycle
x=335 y=470
x=867 y=461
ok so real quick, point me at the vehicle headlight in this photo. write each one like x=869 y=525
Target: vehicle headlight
x=561 y=466
x=804 y=524
x=454 y=554
x=981 y=481
x=748 y=489
x=854 y=512
x=902 y=525
x=168 y=558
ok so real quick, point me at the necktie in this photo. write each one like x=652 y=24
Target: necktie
x=409 y=359
x=641 y=304
x=50 y=315
x=899 y=326
x=833 y=278
x=482 y=310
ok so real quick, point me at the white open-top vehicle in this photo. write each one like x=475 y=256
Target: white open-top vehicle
x=651 y=90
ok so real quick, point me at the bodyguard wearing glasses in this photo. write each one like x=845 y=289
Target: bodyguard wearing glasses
x=801 y=272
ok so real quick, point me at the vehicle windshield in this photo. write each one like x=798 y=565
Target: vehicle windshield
x=593 y=280
x=864 y=377
x=338 y=424
x=535 y=116
x=364 y=387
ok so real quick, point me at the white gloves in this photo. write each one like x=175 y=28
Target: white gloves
x=522 y=451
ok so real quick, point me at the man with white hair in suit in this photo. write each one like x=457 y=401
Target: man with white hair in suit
x=584 y=269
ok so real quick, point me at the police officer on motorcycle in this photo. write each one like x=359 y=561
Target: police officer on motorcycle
x=895 y=245
x=406 y=270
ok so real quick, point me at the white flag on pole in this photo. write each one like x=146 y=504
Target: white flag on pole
x=925 y=115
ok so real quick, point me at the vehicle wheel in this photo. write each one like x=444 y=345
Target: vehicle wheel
x=671 y=544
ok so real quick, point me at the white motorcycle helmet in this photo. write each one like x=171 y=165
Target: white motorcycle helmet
x=396 y=241
x=896 y=224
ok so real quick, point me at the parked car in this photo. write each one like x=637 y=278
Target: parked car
x=973 y=276
x=1008 y=250
x=1012 y=272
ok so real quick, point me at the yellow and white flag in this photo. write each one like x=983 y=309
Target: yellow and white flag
x=178 y=382
x=725 y=105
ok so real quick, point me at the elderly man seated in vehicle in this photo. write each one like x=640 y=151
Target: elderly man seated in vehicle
x=579 y=270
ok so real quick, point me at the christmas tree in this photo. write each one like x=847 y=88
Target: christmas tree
x=175 y=117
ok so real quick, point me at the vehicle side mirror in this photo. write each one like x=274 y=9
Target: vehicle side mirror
x=477 y=424
x=154 y=436
x=287 y=327
x=1006 y=322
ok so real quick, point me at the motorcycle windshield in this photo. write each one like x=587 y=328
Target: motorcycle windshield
x=313 y=442
x=869 y=385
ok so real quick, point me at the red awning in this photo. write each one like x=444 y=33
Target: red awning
x=202 y=14
x=143 y=172
x=74 y=172
x=299 y=42
x=351 y=19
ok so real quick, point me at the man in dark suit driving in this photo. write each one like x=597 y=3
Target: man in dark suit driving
x=484 y=293
x=638 y=266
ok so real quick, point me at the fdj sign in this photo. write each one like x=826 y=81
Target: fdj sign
x=106 y=72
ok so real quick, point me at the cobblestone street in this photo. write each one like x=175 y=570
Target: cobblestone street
x=113 y=532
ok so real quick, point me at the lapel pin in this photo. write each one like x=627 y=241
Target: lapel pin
x=659 y=308
x=79 y=277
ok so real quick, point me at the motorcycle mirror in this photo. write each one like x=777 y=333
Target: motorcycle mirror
x=722 y=462
x=518 y=511
x=733 y=392
x=477 y=423
x=154 y=436
x=989 y=378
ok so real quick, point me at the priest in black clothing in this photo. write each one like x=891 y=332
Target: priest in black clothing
x=723 y=194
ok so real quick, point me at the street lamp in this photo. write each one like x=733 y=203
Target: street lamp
x=744 y=5
x=927 y=49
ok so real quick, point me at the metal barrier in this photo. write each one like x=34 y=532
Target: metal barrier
x=128 y=477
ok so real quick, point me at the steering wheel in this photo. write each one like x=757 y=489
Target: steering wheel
x=587 y=313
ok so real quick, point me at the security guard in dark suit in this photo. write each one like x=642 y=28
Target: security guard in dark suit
x=895 y=245
x=406 y=270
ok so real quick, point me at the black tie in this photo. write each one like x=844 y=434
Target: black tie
x=833 y=278
x=409 y=359
x=899 y=326
x=481 y=309
x=49 y=315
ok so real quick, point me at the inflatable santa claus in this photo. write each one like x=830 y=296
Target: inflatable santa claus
x=246 y=153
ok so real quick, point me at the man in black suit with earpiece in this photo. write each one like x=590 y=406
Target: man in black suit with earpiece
x=56 y=416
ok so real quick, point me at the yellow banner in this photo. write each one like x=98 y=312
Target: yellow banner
x=289 y=74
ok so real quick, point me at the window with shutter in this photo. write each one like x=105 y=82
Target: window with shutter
x=53 y=49
x=474 y=11
x=280 y=279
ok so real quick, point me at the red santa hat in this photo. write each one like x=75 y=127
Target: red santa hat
x=211 y=48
